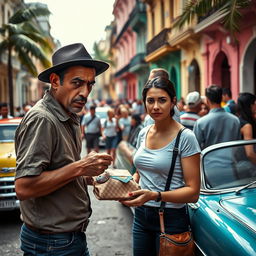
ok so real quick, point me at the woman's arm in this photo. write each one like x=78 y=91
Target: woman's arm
x=136 y=176
x=187 y=194
x=246 y=131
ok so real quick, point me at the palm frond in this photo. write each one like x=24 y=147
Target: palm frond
x=100 y=55
x=200 y=8
x=233 y=15
x=31 y=47
x=3 y=46
x=32 y=32
x=27 y=14
x=30 y=28
x=12 y=28
x=26 y=61
x=2 y=31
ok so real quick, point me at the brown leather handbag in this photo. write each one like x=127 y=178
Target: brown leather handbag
x=178 y=244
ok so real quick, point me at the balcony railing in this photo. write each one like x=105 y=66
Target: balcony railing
x=139 y=9
x=122 y=70
x=138 y=59
x=158 y=41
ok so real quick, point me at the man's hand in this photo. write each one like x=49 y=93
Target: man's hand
x=95 y=163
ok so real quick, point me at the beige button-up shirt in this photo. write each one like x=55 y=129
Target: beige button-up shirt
x=47 y=139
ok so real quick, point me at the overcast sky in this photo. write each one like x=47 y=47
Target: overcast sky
x=82 y=21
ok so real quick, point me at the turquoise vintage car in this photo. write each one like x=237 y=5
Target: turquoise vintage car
x=223 y=220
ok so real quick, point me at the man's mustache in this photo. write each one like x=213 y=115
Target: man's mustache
x=80 y=99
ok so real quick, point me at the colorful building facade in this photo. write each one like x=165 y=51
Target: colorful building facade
x=131 y=70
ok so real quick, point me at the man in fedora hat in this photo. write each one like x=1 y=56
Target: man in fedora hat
x=51 y=179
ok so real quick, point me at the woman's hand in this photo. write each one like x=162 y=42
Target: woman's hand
x=139 y=197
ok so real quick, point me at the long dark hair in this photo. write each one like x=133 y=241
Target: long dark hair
x=160 y=83
x=244 y=104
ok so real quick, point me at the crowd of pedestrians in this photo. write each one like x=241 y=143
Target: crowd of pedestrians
x=214 y=118
x=50 y=169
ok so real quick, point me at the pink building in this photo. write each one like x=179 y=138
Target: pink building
x=124 y=50
x=230 y=63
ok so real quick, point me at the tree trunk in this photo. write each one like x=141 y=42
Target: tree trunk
x=10 y=81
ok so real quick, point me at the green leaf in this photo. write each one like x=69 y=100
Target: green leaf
x=27 y=14
x=201 y=8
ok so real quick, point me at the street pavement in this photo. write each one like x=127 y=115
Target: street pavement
x=109 y=231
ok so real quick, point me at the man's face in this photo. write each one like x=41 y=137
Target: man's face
x=77 y=85
x=4 y=112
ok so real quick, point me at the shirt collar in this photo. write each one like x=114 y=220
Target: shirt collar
x=57 y=109
x=214 y=110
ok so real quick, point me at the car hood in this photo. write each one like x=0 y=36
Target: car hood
x=243 y=208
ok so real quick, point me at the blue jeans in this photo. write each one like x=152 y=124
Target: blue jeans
x=62 y=244
x=146 y=228
x=111 y=142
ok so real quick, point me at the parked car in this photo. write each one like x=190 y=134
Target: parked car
x=8 y=199
x=223 y=220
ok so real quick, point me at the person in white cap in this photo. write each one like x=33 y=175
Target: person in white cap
x=193 y=101
x=51 y=181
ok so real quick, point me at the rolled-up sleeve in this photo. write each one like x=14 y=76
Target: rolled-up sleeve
x=34 y=142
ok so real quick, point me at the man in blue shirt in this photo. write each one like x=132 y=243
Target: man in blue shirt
x=217 y=126
x=230 y=106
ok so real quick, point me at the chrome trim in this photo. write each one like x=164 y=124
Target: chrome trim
x=7 y=187
x=227 y=144
x=194 y=206
x=6 y=179
x=7 y=195
x=234 y=216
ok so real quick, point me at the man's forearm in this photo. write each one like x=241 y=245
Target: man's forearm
x=45 y=183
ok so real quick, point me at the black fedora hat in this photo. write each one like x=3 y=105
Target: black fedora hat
x=72 y=55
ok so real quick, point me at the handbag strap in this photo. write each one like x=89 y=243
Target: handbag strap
x=168 y=182
x=90 y=120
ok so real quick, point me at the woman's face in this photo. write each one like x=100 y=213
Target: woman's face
x=111 y=113
x=204 y=110
x=158 y=104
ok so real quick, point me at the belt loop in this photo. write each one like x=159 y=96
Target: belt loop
x=84 y=226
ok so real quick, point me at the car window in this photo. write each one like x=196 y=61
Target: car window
x=229 y=167
x=7 y=132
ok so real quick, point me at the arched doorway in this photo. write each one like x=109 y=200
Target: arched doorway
x=248 y=81
x=221 y=71
x=193 y=76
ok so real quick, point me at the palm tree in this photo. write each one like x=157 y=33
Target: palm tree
x=230 y=9
x=100 y=55
x=23 y=36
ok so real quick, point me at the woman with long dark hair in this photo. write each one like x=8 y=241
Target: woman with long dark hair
x=153 y=160
x=246 y=106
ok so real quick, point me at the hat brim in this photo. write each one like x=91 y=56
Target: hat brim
x=99 y=66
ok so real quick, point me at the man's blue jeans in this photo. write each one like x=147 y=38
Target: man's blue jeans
x=62 y=244
x=146 y=228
